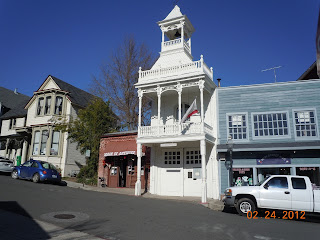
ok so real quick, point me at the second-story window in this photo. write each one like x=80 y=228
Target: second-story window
x=305 y=124
x=58 y=106
x=12 y=123
x=40 y=106
x=237 y=126
x=270 y=125
x=48 y=105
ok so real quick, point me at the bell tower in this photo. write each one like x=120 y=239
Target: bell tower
x=176 y=39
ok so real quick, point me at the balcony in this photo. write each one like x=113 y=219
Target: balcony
x=176 y=44
x=196 y=67
x=175 y=130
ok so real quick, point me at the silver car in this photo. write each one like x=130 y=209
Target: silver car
x=6 y=165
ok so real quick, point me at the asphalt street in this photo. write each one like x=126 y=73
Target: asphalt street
x=114 y=216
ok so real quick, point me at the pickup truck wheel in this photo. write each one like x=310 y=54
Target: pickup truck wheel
x=245 y=205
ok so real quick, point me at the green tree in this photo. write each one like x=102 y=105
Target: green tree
x=92 y=122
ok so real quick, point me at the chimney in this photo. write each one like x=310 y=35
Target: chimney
x=15 y=91
x=219 y=79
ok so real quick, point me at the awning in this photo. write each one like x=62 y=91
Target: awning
x=118 y=148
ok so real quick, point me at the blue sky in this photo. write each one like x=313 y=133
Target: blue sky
x=70 y=39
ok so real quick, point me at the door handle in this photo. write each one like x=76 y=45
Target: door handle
x=286 y=192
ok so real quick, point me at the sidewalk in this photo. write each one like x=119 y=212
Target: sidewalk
x=212 y=203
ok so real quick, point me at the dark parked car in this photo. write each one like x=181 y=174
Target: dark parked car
x=6 y=165
x=36 y=171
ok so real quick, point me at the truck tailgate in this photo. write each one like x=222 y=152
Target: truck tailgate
x=316 y=199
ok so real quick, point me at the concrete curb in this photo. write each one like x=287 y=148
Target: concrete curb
x=213 y=204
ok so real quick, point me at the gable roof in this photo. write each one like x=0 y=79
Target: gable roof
x=311 y=73
x=76 y=95
x=10 y=99
x=18 y=111
x=14 y=102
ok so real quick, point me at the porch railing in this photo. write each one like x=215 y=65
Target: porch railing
x=175 y=129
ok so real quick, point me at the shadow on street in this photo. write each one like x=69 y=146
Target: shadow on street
x=16 y=223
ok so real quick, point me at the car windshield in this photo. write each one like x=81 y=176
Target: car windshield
x=261 y=182
x=47 y=165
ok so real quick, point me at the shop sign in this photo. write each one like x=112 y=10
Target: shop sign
x=241 y=170
x=271 y=161
x=107 y=154
x=307 y=168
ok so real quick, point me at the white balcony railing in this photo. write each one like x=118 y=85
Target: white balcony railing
x=175 y=129
x=196 y=66
x=175 y=44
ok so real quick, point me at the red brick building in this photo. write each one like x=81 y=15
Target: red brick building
x=118 y=161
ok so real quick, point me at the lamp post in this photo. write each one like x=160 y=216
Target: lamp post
x=229 y=161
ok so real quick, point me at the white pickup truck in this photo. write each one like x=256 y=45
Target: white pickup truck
x=284 y=192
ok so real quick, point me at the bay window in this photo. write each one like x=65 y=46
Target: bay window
x=55 y=143
x=58 y=105
x=36 y=141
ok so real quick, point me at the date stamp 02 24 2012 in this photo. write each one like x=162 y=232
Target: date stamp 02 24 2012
x=273 y=214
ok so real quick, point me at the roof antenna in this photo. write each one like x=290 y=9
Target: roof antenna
x=274 y=70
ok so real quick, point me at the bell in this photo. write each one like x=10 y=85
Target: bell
x=177 y=35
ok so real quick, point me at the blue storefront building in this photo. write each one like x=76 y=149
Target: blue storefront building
x=270 y=129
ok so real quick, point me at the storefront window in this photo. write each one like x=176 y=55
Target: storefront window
x=311 y=172
x=265 y=172
x=242 y=176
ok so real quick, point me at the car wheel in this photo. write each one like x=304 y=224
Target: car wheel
x=14 y=174
x=36 y=178
x=244 y=205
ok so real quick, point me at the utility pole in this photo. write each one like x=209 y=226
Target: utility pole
x=274 y=70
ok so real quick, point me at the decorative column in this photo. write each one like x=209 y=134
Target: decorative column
x=204 y=171
x=159 y=90
x=140 y=94
x=162 y=40
x=7 y=148
x=24 y=151
x=137 y=191
x=201 y=87
x=179 y=90
x=182 y=33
